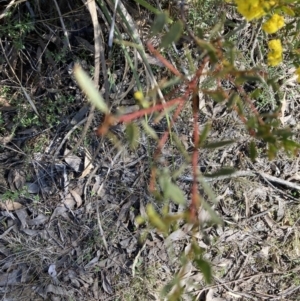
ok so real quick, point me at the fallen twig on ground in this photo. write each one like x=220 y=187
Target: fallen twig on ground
x=245 y=173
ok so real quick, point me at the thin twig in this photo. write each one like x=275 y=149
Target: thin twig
x=18 y=80
x=275 y=188
x=279 y=181
x=100 y=224
x=100 y=188
x=5 y=11
x=237 y=174
x=99 y=53
x=245 y=173
x=63 y=24
x=136 y=259
x=68 y=135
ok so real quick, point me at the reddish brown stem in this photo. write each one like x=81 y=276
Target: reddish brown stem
x=143 y=112
x=163 y=60
x=194 y=192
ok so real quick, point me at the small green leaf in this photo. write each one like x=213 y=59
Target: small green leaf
x=217 y=27
x=208 y=190
x=149 y=130
x=246 y=78
x=201 y=263
x=204 y=134
x=205 y=268
x=298 y=23
x=148 y=6
x=232 y=100
x=163 y=180
x=132 y=133
x=287 y=10
x=216 y=95
x=217 y=144
x=272 y=151
x=240 y=107
x=159 y=23
x=175 y=193
x=200 y=33
x=182 y=169
x=252 y=151
x=175 y=287
x=213 y=215
x=283 y=133
x=167 y=288
x=256 y=93
x=231 y=52
x=273 y=82
x=170 y=83
x=252 y=123
x=290 y=146
x=155 y=219
x=88 y=87
x=173 y=35
x=222 y=172
x=170 y=190
x=211 y=50
x=180 y=146
x=139 y=220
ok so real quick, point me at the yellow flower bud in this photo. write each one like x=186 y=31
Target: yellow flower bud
x=138 y=95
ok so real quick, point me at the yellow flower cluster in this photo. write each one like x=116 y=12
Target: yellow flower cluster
x=254 y=9
x=250 y=9
x=275 y=53
x=275 y=23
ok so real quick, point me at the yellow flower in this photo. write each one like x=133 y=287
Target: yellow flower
x=275 y=52
x=254 y=9
x=275 y=45
x=273 y=24
x=250 y=9
x=298 y=73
